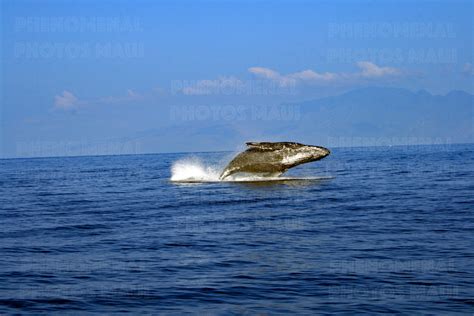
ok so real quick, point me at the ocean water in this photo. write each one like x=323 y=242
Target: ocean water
x=366 y=230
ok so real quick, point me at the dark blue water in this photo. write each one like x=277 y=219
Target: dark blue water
x=393 y=231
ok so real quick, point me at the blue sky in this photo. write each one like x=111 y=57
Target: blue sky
x=95 y=72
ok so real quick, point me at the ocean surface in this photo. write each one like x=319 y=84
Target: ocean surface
x=366 y=230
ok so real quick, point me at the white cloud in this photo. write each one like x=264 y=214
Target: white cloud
x=269 y=74
x=265 y=73
x=290 y=79
x=66 y=101
x=311 y=75
x=371 y=70
x=132 y=94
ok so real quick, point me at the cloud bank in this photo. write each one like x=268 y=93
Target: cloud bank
x=367 y=70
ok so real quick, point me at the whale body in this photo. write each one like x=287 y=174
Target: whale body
x=273 y=159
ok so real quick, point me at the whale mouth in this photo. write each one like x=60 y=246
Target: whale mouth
x=318 y=152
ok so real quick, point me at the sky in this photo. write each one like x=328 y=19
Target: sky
x=89 y=77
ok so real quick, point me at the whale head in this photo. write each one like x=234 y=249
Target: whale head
x=299 y=154
x=315 y=152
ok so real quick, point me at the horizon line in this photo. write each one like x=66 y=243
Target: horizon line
x=221 y=151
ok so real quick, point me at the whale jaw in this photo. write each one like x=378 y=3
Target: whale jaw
x=273 y=158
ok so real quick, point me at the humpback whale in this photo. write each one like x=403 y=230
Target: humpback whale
x=273 y=159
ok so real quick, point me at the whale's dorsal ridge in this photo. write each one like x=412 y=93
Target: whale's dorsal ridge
x=270 y=145
x=262 y=146
x=256 y=144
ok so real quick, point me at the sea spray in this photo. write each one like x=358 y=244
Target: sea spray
x=193 y=169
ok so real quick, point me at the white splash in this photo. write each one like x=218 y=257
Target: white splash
x=192 y=169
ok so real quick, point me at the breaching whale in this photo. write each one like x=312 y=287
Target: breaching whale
x=273 y=159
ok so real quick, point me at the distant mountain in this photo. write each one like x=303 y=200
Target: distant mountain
x=368 y=116
x=393 y=115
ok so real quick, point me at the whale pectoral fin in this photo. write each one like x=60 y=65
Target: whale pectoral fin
x=271 y=174
x=278 y=173
x=225 y=174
